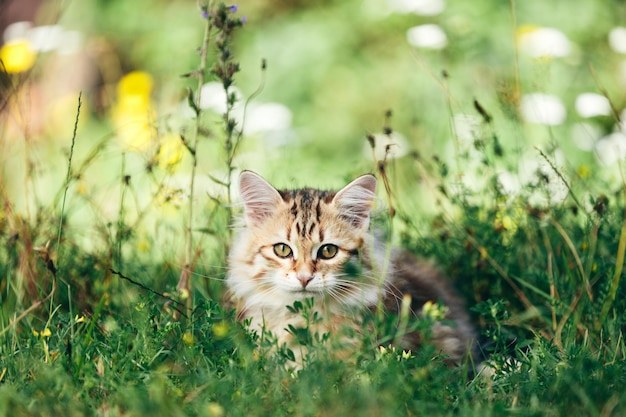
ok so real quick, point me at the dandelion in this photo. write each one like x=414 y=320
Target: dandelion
x=17 y=56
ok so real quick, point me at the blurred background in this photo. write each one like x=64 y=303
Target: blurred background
x=472 y=90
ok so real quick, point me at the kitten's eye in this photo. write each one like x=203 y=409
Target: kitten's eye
x=327 y=251
x=282 y=250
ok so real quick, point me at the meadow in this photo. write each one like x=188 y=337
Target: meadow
x=496 y=129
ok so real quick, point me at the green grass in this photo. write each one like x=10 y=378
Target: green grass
x=112 y=263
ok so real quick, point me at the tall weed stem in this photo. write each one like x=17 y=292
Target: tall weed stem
x=619 y=265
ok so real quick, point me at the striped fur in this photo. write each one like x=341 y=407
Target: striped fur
x=359 y=276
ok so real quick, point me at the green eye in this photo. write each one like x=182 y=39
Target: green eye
x=282 y=250
x=327 y=251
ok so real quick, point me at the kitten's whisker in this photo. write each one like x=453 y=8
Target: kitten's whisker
x=210 y=277
x=203 y=264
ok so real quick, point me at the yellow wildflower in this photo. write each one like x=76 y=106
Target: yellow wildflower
x=171 y=151
x=434 y=311
x=143 y=244
x=507 y=222
x=215 y=410
x=220 y=330
x=135 y=84
x=524 y=30
x=188 y=338
x=17 y=56
x=133 y=113
x=584 y=171
x=406 y=354
x=82 y=188
x=183 y=293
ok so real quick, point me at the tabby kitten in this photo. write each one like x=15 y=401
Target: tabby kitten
x=307 y=243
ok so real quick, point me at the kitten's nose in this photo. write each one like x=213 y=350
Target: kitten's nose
x=305 y=279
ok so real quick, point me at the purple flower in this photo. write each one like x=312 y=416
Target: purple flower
x=233 y=8
x=243 y=19
x=205 y=14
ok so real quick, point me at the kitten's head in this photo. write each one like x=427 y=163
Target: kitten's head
x=303 y=243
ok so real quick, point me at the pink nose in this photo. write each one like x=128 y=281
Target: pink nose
x=305 y=279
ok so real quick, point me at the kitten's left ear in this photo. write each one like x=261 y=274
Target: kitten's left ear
x=355 y=200
x=260 y=199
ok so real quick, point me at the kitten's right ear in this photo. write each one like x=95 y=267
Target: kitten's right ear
x=260 y=199
x=356 y=199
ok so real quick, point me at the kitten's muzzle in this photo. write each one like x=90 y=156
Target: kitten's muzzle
x=305 y=279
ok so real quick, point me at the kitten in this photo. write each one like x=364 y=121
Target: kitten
x=307 y=243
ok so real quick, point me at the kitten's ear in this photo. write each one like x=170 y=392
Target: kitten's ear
x=260 y=199
x=355 y=200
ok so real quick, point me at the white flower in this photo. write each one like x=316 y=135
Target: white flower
x=543 y=109
x=611 y=148
x=428 y=36
x=585 y=135
x=467 y=127
x=509 y=183
x=617 y=39
x=17 y=31
x=213 y=97
x=592 y=104
x=544 y=42
x=45 y=38
x=419 y=7
x=267 y=117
